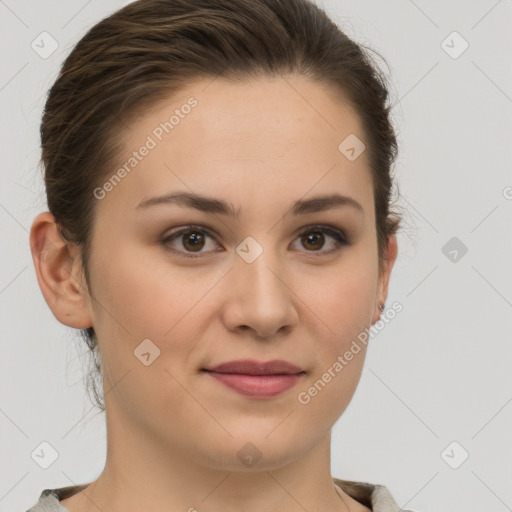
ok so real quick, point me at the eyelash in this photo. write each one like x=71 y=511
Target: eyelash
x=340 y=237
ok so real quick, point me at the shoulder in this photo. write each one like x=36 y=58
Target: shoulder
x=49 y=498
x=374 y=496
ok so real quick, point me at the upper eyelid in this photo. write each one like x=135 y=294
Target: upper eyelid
x=211 y=232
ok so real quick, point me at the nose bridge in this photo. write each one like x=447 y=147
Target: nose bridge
x=262 y=300
x=258 y=270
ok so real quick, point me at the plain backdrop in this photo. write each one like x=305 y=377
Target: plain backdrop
x=432 y=416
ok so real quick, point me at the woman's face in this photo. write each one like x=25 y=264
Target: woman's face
x=254 y=280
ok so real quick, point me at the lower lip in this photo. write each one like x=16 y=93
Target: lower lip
x=257 y=385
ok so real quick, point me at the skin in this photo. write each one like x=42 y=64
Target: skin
x=173 y=432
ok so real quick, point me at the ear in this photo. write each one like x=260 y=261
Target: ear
x=59 y=273
x=390 y=255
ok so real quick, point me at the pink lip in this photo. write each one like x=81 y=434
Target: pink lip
x=252 y=378
x=252 y=367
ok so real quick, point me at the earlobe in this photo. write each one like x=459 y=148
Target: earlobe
x=58 y=271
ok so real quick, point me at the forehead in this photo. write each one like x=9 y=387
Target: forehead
x=273 y=135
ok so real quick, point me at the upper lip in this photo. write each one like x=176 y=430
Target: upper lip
x=252 y=367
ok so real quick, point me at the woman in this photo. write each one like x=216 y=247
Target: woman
x=218 y=179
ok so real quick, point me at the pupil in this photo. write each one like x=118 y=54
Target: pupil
x=196 y=239
x=314 y=237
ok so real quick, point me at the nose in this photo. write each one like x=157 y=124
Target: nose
x=260 y=298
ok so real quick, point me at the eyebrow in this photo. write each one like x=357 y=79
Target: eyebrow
x=219 y=206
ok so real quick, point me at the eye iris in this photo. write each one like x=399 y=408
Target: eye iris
x=196 y=238
x=314 y=237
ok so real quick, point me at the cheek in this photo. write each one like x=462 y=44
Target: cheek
x=342 y=298
x=149 y=299
x=165 y=304
x=342 y=305
x=137 y=302
x=323 y=399
x=339 y=329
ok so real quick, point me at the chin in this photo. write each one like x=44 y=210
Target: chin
x=250 y=453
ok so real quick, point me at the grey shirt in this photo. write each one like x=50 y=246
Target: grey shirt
x=376 y=497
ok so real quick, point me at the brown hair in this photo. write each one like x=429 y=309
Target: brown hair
x=151 y=48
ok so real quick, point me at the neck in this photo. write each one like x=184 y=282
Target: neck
x=142 y=472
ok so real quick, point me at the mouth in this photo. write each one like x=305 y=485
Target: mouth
x=257 y=379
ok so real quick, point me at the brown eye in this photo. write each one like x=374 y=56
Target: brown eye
x=193 y=241
x=315 y=238
x=188 y=241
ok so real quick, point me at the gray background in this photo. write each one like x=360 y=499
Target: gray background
x=439 y=372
